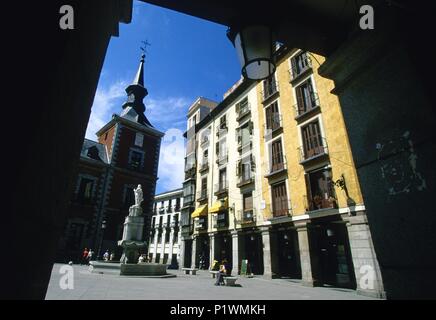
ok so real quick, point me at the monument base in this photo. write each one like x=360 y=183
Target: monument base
x=104 y=267
x=130 y=250
x=142 y=270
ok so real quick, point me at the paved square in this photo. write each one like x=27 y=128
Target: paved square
x=89 y=286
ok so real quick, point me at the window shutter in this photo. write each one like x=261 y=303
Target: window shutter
x=250 y=127
x=217 y=148
x=313 y=101
x=294 y=71
x=300 y=99
x=238 y=168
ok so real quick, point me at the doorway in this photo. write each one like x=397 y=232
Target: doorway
x=288 y=254
x=335 y=261
x=253 y=252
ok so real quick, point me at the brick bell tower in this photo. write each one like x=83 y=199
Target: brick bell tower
x=133 y=147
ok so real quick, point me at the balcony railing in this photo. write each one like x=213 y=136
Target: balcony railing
x=201 y=224
x=319 y=202
x=204 y=141
x=302 y=64
x=222 y=157
x=244 y=109
x=246 y=216
x=221 y=187
x=280 y=208
x=308 y=105
x=307 y=154
x=278 y=164
x=273 y=123
x=269 y=90
x=221 y=129
x=202 y=195
x=221 y=220
x=204 y=165
x=245 y=178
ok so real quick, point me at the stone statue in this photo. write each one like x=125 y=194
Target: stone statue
x=138 y=195
x=136 y=209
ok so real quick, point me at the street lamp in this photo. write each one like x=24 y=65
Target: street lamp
x=254 y=46
x=103 y=227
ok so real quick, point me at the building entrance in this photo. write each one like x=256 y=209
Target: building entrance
x=288 y=256
x=335 y=262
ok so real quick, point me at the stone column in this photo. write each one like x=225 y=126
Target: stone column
x=306 y=259
x=267 y=265
x=162 y=249
x=211 y=249
x=235 y=253
x=194 y=251
x=181 y=253
x=171 y=248
x=366 y=268
x=155 y=245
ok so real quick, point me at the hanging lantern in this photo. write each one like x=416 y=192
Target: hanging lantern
x=254 y=46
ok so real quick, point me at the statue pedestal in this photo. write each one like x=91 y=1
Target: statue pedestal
x=130 y=250
x=132 y=236
x=133 y=228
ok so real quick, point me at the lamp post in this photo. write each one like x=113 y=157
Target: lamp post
x=103 y=227
x=255 y=47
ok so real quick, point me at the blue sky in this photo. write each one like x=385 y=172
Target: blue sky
x=188 y=58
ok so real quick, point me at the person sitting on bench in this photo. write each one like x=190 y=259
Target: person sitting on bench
x=223 y=271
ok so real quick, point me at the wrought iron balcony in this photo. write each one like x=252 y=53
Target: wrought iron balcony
x=201 y=224
x=221 y=129
x=222 y=157
x=278 y=164
x=247 y=177
x=204 y=165
x=246 y=216
x=318 y=149
x=306 y=105
x=221 y=187
x=301 y=64
x=272 y=124
x=202 y=195
x=318 y=202
x=244 y=145
x=269 y=90
x=244 y=109
x=204 y=141
x=221 y=220
x=280 y=208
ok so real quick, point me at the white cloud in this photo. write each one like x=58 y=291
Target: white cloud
x=169 y=112
x=171 y=163
x=107 y=100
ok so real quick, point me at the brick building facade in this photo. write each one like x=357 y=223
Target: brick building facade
x=126 y=154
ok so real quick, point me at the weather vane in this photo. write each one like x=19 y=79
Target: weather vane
x=144 y=47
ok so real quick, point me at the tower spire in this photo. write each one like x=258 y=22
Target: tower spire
x=139 y=78
x=134 y=107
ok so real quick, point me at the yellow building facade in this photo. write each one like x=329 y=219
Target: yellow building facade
x=270 y=182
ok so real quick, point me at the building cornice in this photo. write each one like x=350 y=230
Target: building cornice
x=117 y=119
x=169 y=194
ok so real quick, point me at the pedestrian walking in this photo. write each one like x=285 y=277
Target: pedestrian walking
x=84 y=257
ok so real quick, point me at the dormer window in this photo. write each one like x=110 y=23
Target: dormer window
x=139 y=139
x=93 y=153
